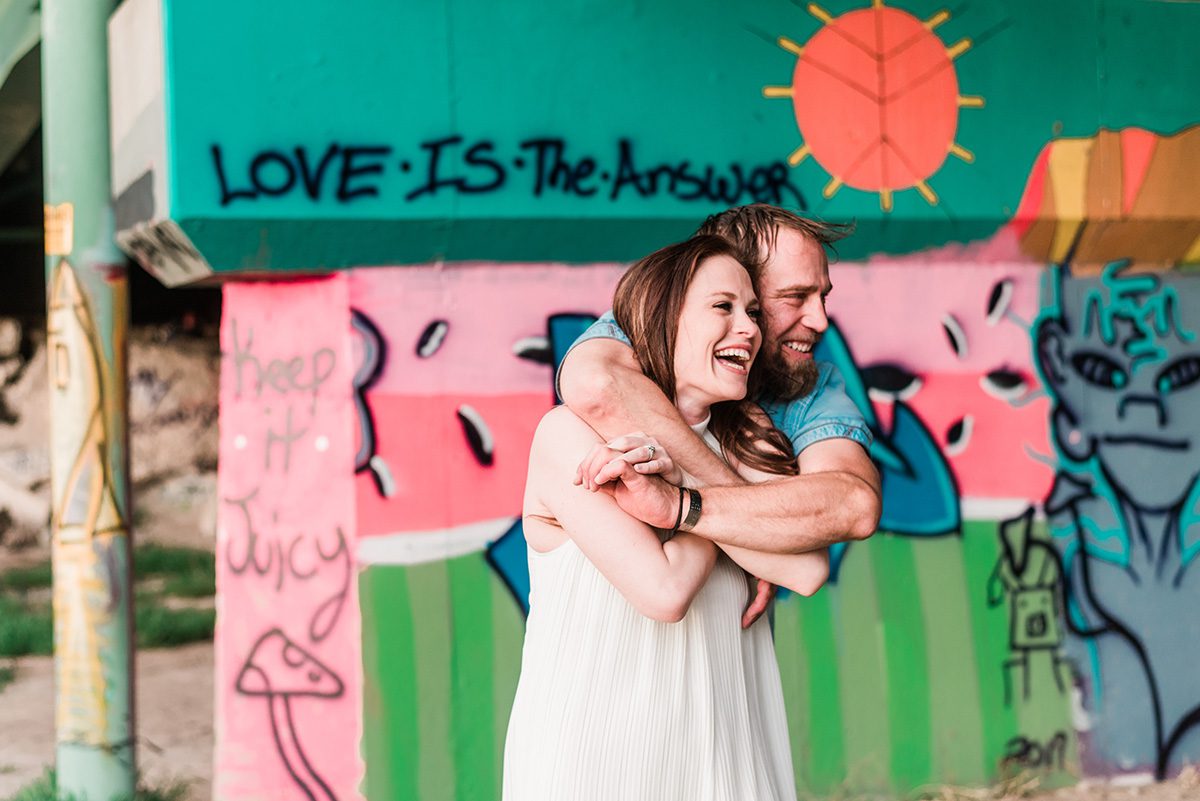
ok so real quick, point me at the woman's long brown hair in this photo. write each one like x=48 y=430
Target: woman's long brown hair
x=647 y=306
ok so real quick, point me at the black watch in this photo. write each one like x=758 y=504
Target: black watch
x=693 y=513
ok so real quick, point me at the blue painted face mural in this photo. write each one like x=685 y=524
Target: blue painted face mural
x=1119 y=355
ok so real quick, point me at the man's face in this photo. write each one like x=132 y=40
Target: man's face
x=792 y=289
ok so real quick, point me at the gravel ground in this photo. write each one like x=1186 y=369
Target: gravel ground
x=175 y=719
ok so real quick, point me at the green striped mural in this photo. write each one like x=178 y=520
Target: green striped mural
x=894 y=678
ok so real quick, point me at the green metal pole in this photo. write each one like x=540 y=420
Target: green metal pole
x=88 y=319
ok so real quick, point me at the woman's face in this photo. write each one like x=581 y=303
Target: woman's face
x=718 y=337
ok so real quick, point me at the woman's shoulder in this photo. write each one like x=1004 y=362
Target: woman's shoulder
x=562 y=421
x=563 y=430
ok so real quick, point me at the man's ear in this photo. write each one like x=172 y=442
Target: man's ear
x=1051 y=353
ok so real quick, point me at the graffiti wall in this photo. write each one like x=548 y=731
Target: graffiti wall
x=1023 y=607
x=1016 y=318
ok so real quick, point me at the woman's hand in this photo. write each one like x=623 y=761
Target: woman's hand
x=606 y=462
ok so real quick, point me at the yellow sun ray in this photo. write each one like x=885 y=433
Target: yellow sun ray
x=777 y=91
x=820 y=13
x=877 y=3
x=885 y=199
x=937 y=19
x=790 y=46
x=970 y=101
x=958 y=48
x=927 y=192
x=832 y=187
x=799 y=155
x=958 y=150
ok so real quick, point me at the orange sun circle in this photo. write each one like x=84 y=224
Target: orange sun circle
x=876 y=99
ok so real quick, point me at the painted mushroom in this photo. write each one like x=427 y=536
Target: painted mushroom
x=279 y=670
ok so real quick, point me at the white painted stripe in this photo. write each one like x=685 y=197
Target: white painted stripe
x=995 y=508
x=1131 y=780
x=418 y=547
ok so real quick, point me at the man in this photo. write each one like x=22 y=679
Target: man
x=835 y=498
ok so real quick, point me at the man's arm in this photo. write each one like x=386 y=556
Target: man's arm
x=836 y=498
x=602 y=383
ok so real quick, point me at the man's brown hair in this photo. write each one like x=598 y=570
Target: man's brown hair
x=753 y=229
x=647 y=306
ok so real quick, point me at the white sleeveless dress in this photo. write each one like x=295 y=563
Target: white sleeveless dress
x=614 y=706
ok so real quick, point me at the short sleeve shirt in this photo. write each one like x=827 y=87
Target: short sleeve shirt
x=825 y=413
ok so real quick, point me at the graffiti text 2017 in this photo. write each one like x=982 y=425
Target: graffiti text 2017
x=538 y=166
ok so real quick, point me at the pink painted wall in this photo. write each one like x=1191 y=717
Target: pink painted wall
x=289 y=701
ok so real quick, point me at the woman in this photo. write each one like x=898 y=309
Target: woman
x=637 y=681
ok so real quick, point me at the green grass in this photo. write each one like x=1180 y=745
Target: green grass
x=46 y=789
x=26 y=623
x=192 y=585
x=8 y=674
x=23 y=579
x=157 y=560
x=158 y=627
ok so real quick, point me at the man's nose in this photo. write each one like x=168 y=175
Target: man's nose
x=1142 y=409
x=815 y=317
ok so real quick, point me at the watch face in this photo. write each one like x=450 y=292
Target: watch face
x=693 y=513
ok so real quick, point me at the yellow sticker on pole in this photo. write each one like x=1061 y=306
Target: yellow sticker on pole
x=60 y=229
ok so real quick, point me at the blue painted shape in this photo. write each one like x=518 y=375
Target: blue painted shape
x=833 y=349
x=920 y=499
x=564 y=330
x=508 y=557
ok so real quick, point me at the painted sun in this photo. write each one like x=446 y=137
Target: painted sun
x=876 y=99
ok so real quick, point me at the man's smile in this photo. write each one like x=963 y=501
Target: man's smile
x=799 y=349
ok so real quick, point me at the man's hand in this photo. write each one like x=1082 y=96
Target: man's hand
x=762 y=599
x=648 y=498
x=646 y=454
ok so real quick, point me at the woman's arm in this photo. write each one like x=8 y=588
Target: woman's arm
x=602 y=382
x=802 y=573
x=658 y=579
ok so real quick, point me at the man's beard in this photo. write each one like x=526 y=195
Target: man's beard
x=787 y=380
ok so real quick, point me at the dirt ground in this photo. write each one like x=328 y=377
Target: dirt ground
x=175 y=739
x=175 y=719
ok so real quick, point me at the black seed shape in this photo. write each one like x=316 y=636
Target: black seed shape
x=954 y=434
x=534 y=349
x=537 y=355
x=998 y=290
x=887 y=377
x=432 y=338
x=956 y=335
x=479 y=436
x=1006 y=379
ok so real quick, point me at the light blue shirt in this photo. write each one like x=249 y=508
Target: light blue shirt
x=825 y=413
